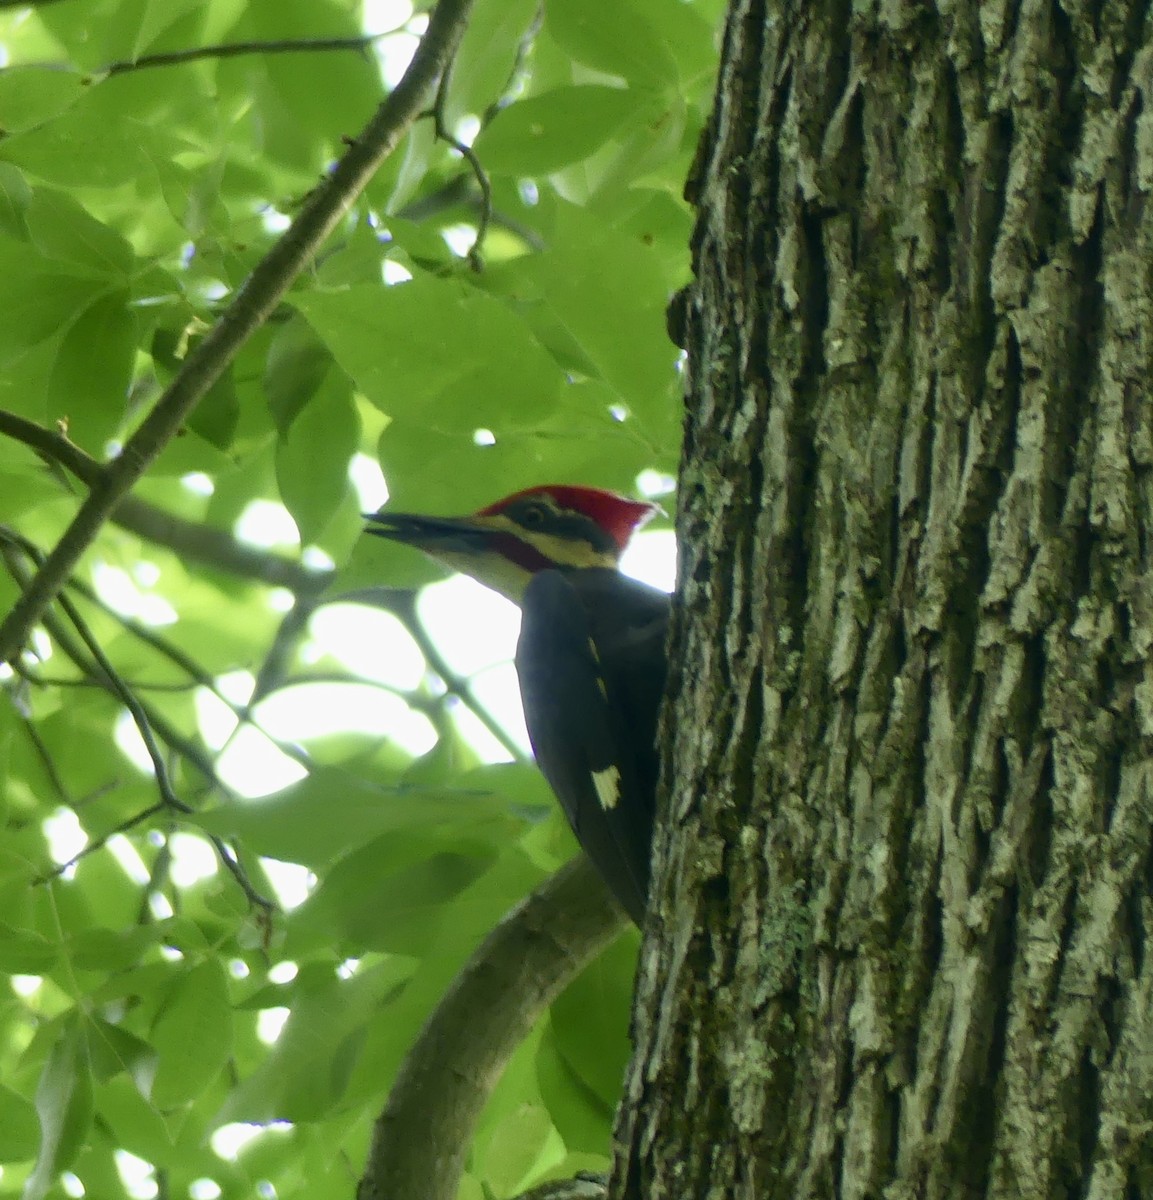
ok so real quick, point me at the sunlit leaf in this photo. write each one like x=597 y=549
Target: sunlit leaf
x=437 y=353
x=192 y=1034
x=64 y=1108
x=312 y=457
x=544 y=133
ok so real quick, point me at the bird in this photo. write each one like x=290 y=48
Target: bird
x=590 y=658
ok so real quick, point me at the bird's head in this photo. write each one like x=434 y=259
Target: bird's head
x=506 y=543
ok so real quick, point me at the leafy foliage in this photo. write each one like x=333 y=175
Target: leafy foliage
x=473 y=341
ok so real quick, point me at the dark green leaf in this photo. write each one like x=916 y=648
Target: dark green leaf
x=312 y=457
x=19 y=1128
x=590 y=1020
x=88 y=385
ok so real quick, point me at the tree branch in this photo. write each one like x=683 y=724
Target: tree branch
x=421 y=1138
x=238 y=49
x=191 y=539
x=251 y=306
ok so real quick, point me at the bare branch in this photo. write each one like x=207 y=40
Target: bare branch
x=191 y=539
x=116 y=684
x=421 y=1138
x=239 y=49
x=252 y=305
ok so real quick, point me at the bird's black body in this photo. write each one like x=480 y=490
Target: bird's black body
x=591 y=663
x=591 y=656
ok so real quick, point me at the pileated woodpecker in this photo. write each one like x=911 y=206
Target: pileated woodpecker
x=591 y=655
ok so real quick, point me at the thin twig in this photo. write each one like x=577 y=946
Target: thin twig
x=161 y=866
x=475 y=256
x=45 y=681
x=145 y=723
x=230 y=857
x=252 y=305
x=196 y=673
x=239 y=49
x=456 y=685
x=45 y=756
x=130 y=702
x=518 y=65
x=98 y=843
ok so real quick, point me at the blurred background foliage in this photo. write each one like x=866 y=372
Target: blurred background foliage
x=490 y=316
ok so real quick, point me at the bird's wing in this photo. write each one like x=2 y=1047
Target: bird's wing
x=578 y=718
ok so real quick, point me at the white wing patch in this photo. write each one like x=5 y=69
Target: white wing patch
x=608 y=786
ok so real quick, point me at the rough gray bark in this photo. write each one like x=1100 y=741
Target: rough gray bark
x=902 y=939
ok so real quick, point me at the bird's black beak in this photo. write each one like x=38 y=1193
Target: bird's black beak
x=434 y=535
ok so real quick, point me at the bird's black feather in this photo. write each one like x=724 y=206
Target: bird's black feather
x=591 y=663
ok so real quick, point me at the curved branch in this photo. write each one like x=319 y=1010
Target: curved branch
x=251 y=306
x=421 y=1138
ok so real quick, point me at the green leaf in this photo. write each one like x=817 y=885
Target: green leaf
x=46 y=298
x=15 y=196
x=63 y=231
x=307 y=1072
x=488 y=51
x=298 y=363
x=64 y=1106
x=98 y=949
x=137 y=1126
x=89 y=382
x=543 y=133
x=32 y=94
x=92 y=143
x=613 y=36
x=115 y=1051
x=23 y=952
x=581 y=1117
x=437 y=353
x=312 y=457
x=333 y=811
x=192 y=1035
x=19 y=1128
x=217 y=415
x=521 y=1145
x=607 y=292
x=590 y=1020
x=389 y=895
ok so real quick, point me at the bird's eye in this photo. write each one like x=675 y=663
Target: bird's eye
x=532 y=516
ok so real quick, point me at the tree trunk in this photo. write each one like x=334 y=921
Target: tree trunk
x=901 y=941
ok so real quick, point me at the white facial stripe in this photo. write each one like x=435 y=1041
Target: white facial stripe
x=556 y=549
